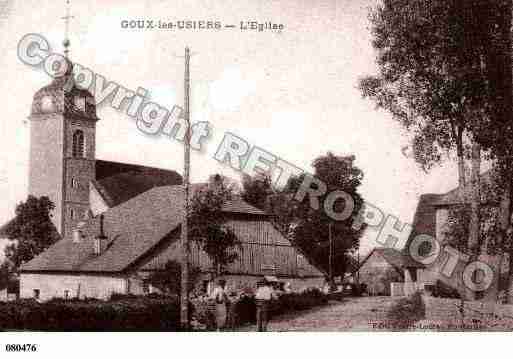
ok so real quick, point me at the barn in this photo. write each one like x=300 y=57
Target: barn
x=117 y=250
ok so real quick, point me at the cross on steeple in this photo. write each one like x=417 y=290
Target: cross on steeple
x=66 y=19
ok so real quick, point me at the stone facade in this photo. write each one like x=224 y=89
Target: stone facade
x=102 y=286
x=71 y=285
x=46 y=168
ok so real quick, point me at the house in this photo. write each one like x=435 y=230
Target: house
x=387 y=271
x=115 y=252
x=431 y=218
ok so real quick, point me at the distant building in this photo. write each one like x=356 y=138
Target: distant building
x=431 y=218
x=384 y=266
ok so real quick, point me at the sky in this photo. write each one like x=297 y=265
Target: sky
x=292 y=93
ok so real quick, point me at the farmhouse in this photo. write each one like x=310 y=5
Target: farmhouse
x=116 y=251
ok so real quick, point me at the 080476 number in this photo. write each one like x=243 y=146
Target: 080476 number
x=20 y=347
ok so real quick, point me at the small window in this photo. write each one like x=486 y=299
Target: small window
x=72 y=214
x=74 y=182
x=300 y=261
x=78 y=147
x=36 y=293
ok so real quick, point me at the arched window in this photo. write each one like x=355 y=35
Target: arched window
x=78 y=143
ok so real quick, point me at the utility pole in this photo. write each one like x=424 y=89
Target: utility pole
x=330 y=258
x=184 y=240
x=358 y=267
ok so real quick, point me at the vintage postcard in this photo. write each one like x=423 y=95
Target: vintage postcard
x=255 y=166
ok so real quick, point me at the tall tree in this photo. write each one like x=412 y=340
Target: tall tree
x=257 y=190
x=311 y=228
x=5 y=275
x=208 y=225
x=31 y=231
x=435 y=64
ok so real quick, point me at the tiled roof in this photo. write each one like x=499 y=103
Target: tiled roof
x=132 y=228
x=119 y=182
x=395 y=258
x=106 y=169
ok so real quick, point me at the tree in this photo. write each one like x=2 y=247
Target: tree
x=168 y=279
x=436 y=62
x=208 y=224
x=311 y=228
x=5 y=275
x=257 y=190
x=31 y=231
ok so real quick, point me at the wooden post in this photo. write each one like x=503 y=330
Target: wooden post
x=184 y=240
x=330 y=259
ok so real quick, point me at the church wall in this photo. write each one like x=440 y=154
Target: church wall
x=82 y=171
x=46 y=161
x=84 y=285
x=79 y=172
x=89 y=129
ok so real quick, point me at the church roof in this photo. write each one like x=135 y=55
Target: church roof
x=118 y=182
x=62 y=90
x=133 y=228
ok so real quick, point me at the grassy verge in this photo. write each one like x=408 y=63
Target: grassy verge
x=406 y=312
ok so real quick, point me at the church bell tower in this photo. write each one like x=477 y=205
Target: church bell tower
x=62 y=146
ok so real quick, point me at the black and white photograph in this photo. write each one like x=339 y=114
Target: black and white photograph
x=216 y=169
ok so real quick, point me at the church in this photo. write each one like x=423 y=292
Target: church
x=120 y=222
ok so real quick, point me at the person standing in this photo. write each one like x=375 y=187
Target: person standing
x=264 y=295
x=221 y=300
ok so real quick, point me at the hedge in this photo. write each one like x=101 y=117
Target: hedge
x=130 y=314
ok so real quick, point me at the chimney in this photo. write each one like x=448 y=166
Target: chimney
x=77 y=234
x=100 y=241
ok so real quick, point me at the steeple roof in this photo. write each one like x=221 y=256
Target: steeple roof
x=62 y=91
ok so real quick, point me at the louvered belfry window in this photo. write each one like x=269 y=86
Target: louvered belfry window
x=78 y=143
